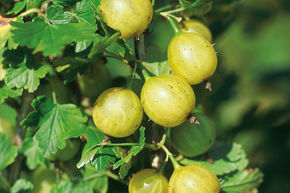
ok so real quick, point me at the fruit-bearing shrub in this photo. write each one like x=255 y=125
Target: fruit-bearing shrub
x=84 y=110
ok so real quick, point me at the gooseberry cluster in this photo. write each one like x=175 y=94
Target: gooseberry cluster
x=167 y=100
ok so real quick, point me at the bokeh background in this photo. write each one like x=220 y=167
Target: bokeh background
x=251 y=89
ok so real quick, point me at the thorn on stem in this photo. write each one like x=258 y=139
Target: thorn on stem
x=208 y=158
x=110 y=165
x=250 y=170
x=84 y=137
x=105 y=140
x=154 y=143
x=208 y=86
x=193 y=120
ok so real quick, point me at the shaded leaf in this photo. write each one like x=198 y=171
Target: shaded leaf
x=134 y=150
x=99 y=183
x=100 y=157
x=26 y=76
x=226 y=159
x=56 y=15
x=6 y=92
x=21 y=186
x=101 y=42
x=54 y=123
x=68 y=187
x=244 y=181
x=8 y=152
x=32 y=152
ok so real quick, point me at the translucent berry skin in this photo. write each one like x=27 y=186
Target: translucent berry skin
x=118 y=112
x=130 y=17
x=148 y=181
x=197 y=27
x=193 y=179
x=167 y=100
x=193 y=139
x=191 y=57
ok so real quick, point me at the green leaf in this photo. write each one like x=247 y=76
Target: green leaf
x=185 y=3
x=51 y=38
x=244 y=181
x=99 y=183
x=8 y=152
x=29 y=4
x=26 y=76
x=201 y=7
x=197 y=7
x=157 y=68
x=134 y=150
x=32 y=152
x=8 y=113
x=56 y=15
x=100 y=157
x=54 y=123
x=72 y=67
x=100 y=43
x=82 y=187
x=32 y=4
x=86 y=12
x=19 y=6
x=5 y=33
x=226 y=159
x=68 y=187
x=6 y=92
x=21 y=186
x=124 y=169
x=62 y=187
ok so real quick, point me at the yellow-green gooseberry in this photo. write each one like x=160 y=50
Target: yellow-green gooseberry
x=197 y=27
x=148 y=181
x=193 y=179
x=167 y=100
x=191 y=57
x=118 y=112
x=130 y=17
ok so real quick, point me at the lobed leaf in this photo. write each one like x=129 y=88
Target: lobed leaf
x=100 y=157
x=134 y=150
x=51 y=35
x=226 y=159
x=32 y=152
x=54 y=123
x=244 y=181
x=26 y=76
x=21 y=186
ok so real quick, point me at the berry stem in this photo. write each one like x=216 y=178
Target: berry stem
x=132 y=77
x=175 y=164
x=145 y=73
x=54 y=98
x=33 y=10
x=173 y=22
